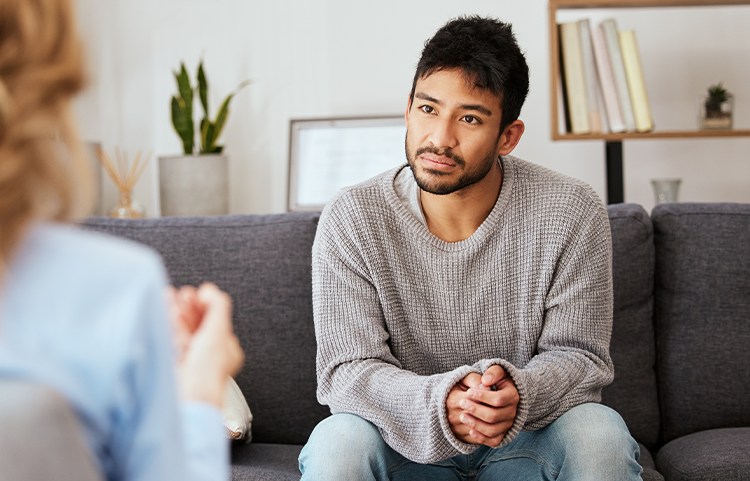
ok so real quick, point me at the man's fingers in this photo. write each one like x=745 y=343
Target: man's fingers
x=486 y=430
x=486 y=409
x=455 y=398
x=479 y=438
x=506 y=396
x=460 y=430
x=493 y=375
x=490 y=398
x=454 y=419
x=471 y=380
x=480 y=415
x=488 y=414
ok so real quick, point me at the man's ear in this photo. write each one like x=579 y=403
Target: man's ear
x=512 y=134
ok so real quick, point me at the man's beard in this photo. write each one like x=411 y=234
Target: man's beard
x=443 y=187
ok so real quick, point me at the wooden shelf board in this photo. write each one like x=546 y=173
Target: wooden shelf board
x=666 y=134
x=561 y=4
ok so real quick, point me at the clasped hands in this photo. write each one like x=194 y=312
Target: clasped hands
x=208 y=352
x=479 y=415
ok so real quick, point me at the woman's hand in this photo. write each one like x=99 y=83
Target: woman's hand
x=208 y=352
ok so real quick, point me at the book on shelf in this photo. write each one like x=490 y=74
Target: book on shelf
x=607 y=81
x=612 y=39
x=564 y=111
x=590 y=77
x=574 y=78
x=563 y=119
x=636 y=84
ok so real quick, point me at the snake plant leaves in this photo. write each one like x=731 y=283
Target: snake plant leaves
x=182 y=113
x=208 y=137
x=221 y=117
x=203 y=89
x=183 y=125
x=184 y=88
x=182 y=110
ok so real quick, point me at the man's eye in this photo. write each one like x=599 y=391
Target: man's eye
x=427 y=109
x=470 y=119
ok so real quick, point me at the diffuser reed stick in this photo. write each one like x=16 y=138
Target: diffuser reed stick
x=125 y=177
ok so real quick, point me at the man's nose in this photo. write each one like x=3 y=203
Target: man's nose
x=443 y=135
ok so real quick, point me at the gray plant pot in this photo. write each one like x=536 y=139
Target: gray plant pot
x=194 y=185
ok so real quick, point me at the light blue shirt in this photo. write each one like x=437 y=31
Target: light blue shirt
x=85 y=314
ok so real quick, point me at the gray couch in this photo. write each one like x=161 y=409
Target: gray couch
x=680 y=343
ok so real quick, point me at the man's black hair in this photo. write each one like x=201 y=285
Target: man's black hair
x=487 y=52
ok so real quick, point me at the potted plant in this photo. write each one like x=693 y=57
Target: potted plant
x=196 y=183
x=717 y=107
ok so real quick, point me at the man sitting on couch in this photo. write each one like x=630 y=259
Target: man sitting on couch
x=463 y=305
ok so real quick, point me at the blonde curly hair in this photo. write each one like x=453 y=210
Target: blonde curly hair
x=43 y=174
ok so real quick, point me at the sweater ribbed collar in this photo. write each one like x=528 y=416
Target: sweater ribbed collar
x=419 y=231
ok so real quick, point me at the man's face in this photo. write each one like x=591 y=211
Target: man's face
x=452 y=132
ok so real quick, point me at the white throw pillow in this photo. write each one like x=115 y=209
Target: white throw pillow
x=236 y=413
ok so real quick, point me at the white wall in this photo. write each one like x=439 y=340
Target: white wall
x=330 y=58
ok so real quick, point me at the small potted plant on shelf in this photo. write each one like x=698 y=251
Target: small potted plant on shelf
x=717 y=107
x=196 y=183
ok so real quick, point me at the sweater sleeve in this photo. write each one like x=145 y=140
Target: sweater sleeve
x=572 y=361
x=357 y=372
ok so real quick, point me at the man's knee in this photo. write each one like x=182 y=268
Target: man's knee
x=345 y=432
x=342 y=446
x=595 y=427
x=598 y=441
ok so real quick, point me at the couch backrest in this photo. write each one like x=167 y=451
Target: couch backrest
x=264 y=263
x=633 y=392
x=702 y=316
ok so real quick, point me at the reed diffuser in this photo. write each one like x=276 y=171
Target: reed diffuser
x=125 y=177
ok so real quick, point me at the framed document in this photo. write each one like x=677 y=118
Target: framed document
x=328 y=154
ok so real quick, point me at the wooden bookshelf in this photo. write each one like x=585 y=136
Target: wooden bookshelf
x=657 y=134
x=642 y=3
x=613 y=148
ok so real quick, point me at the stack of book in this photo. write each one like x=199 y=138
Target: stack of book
x=602 y=79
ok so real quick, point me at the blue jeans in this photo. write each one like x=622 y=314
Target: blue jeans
x=589 y=442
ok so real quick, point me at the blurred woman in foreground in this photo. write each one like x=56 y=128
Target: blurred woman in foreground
x=86 y=314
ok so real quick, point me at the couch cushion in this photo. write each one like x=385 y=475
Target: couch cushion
x=649 y=467
x=265 y=462
x=702 y=316
x=633 y=392
x=714 y=455
x=651 y=474
x=264 y=263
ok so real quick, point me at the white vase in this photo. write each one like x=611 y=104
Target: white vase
x=666 y=190
x=194 y=185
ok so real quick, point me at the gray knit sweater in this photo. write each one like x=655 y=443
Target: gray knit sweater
x=401 y=316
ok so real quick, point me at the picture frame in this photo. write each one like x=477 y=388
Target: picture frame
x=326 y=155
